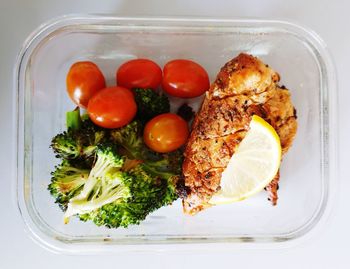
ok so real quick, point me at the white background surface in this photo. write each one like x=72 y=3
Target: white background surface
x=329 y=248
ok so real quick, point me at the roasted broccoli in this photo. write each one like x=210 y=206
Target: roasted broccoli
x=103 y=185
x=114 y=197
x=146 y=193
x=73 y=119
x=66 y=182
x=129 y=138
x=111 y=177
x=130 y=141
x=150 y=104
x=167 y=164
x=78 y=143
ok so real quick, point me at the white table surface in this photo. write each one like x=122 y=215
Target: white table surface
x=330 y=248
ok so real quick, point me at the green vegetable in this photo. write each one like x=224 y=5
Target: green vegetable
x=143 y=194
x=150 y=104
x=66 y=182
x=129 y=138
x=103 y=185
x=73 y=120
x=109 y=176
x=114 y=197
x=78 y=145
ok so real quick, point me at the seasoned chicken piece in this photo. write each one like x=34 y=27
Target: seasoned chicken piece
x=244 y=87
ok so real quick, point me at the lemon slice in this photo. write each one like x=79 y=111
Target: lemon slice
x=254 y=164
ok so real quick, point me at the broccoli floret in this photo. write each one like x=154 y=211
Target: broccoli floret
x=150 y=104
x=167 y=181
x=153 y=188
x=146 y=193
x=79 y=145
x=130 y=141
x=167 y=165
x=114 y=197
x=66 y=182
x=129 y=138
x=104 y=183
x=124 y=180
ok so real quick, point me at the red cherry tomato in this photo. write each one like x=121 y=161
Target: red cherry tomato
x=112 y=107
x=84 y=79
x=165 y=133
x=185 y=79
x=139 y=73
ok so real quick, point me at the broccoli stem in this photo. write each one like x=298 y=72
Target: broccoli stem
x=153 y=168
x=84 y=206
x=95 y=175
x=73 y=119
x=103 y=186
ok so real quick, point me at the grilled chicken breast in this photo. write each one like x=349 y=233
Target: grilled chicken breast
x=244 y=86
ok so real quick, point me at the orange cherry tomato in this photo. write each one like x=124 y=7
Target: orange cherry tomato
x=165 y=133
x=112 y=107
x=185 y=79
x=139 y=73
x=84 y=79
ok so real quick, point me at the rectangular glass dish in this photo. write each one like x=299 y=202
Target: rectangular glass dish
x=308 y=170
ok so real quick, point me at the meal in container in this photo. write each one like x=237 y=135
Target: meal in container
x=125 y=155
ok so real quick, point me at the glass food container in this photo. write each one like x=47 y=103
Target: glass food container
x=308 y=170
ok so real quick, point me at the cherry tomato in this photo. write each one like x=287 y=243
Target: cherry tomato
x=112 y=107
x=139 y=73
x=165 y=133
x=84 y=79
x=185 y=79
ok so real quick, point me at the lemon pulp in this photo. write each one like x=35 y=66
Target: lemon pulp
x=254 y=164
